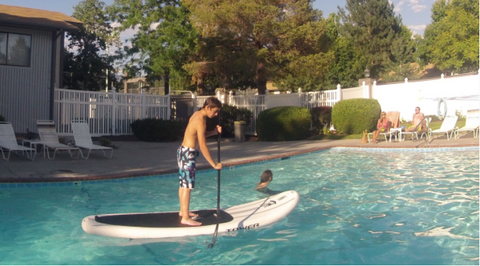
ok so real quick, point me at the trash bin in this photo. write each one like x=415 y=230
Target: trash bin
x=240 y=127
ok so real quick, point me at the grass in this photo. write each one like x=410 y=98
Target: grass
x=433 y=125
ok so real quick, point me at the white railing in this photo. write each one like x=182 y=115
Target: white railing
x=319 y=98
x=107 y=113
x=254 y=103
x=460 y=93
x=258 y=103
x=112 y=113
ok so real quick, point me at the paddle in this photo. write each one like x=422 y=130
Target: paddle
x=214 y=239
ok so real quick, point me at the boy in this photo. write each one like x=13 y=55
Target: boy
x=195 y=136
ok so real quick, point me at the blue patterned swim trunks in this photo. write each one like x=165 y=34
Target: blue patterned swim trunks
x=186 y=165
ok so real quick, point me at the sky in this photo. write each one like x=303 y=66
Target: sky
x=416 y=14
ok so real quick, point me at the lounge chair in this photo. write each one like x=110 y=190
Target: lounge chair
x=49 y=140
x=423 y=132
x=447 y=127
x=472 y=124
x=8 y=143
x=83 y=140
x=394 y=122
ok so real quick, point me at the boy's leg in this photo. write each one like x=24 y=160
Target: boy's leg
x=184 y=197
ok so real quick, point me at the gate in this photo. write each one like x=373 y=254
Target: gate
x=181 y=107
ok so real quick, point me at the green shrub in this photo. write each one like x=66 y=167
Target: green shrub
x=284 y=123
x=2 y=118
x=353 y=116
x=105 y=142
x=321 y=117
x=157 y=130
x=228 y=115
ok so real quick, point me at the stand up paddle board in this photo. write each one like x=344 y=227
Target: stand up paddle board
x=167 y=224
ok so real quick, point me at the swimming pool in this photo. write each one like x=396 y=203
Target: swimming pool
x=356 y=207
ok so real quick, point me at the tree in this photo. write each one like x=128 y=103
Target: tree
x=246 y=43
x=403 y=51
x=304 y=55
x=165 y=38
x=451 y=42
x=87 y=63
x=372 y=27
x=85 y=68
x=348 y=65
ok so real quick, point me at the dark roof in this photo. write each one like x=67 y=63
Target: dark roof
x=37 y=18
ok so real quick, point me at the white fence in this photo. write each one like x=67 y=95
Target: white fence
x=112 y=113
x=460 y=94
x=107 y=113
x=258 y=103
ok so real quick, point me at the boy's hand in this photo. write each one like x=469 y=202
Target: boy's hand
x=218 y=129
x=218 y=166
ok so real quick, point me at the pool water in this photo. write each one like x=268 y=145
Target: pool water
x=356 y=207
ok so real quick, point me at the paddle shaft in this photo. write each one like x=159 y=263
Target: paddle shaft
x=214 y=239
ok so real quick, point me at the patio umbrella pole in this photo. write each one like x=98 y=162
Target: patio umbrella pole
x=214 y=239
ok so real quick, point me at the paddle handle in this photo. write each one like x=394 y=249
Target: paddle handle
x=218 y=171
x=214 y=239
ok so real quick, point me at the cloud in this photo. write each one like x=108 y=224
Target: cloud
x=414 y=5
x=398 y=7
x=417 y=29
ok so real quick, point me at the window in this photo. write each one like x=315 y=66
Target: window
x=15 y=49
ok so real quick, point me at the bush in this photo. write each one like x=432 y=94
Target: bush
x=157 y=130
x=228 y=115
x=321 y=117
x=283 y=123
x=353 y=116
x=2 y=118
x=105 y=142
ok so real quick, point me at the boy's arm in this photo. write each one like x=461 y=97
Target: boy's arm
x=217 y=130
x=202 y=143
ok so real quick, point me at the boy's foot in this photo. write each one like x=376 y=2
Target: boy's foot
x=191 y=214
x=190 y=222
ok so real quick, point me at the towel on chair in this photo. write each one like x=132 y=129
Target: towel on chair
x=394 y=119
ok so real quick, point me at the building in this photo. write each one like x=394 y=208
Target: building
x=140 y=85
x=31 y=63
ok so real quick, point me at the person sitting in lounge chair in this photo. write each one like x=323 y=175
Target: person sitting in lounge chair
x=417 y=119
x=382 y=126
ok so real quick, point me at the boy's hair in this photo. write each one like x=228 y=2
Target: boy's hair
x=212 y=102
x=266 y=175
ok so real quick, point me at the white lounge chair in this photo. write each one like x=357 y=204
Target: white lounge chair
x=8 y=142
x=472 y=124
x=49 y=140
x=424 y=131
x=83 y=140
x=447 y=127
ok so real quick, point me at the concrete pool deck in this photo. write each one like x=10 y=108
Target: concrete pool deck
x=136 y=158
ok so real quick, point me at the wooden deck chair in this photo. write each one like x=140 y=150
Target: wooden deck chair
x=49 y=140
x=472 y=124
x=8 y=143
x=83 y=139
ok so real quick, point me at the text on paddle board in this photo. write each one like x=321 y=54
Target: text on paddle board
x=248 y=227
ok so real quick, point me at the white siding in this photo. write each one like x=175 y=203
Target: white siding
x=25 y=91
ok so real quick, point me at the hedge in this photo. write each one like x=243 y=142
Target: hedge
x=284 y=123
x=353 y=116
